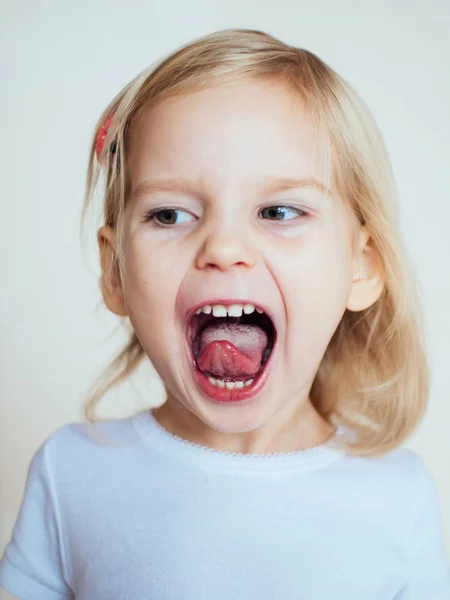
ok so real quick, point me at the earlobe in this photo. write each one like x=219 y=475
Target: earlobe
x=368 y=279
x=111 y=285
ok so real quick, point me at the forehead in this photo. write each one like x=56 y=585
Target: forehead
x=230 y=134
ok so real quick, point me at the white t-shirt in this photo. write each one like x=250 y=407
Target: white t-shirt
x=152 y=516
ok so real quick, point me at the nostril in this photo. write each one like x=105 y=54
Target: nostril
x=221 y=265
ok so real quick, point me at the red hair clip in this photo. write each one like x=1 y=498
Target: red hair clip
x=100 y=142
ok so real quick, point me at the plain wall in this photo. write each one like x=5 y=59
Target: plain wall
x=61 y=64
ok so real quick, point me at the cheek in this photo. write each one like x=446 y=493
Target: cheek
x=318 y=263
x=317 y=284
x=152 y=279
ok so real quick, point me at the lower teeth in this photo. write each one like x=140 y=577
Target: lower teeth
x=231 y=385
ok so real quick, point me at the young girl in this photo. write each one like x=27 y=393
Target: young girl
x=251 y=237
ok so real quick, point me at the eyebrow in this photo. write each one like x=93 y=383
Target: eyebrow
x=183 y=184
x=278 y=184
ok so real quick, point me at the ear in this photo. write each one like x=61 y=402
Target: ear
x=368 y=278
x=110 y=280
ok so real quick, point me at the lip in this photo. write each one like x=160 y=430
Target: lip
x=224 y=395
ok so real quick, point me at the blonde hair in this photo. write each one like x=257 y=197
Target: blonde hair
x=374 y=377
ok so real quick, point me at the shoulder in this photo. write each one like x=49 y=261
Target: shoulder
x=402 y=473
x=398 y=479
x=79 y=444
x=393 y=488
x=416 y=480
x=398 y=467
x=402 y=462
x=405 y=468
x=113 y=431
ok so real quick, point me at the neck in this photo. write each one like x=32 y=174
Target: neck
x=295 y=428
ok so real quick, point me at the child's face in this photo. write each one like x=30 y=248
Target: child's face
x=228 y=145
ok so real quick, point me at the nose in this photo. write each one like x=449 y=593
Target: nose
x=225 y=250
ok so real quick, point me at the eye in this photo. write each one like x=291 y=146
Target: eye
x=166 y=216
x=278 y=213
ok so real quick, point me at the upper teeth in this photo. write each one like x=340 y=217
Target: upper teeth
x=234 y=310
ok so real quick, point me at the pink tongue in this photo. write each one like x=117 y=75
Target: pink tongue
x=231 y=350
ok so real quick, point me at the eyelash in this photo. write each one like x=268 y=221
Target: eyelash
x=152 y=214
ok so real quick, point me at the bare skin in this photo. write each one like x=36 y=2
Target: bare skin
x=309 y=267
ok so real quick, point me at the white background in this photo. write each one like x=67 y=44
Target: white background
x=61 y=63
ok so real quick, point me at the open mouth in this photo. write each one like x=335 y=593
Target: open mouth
x=231 y=345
